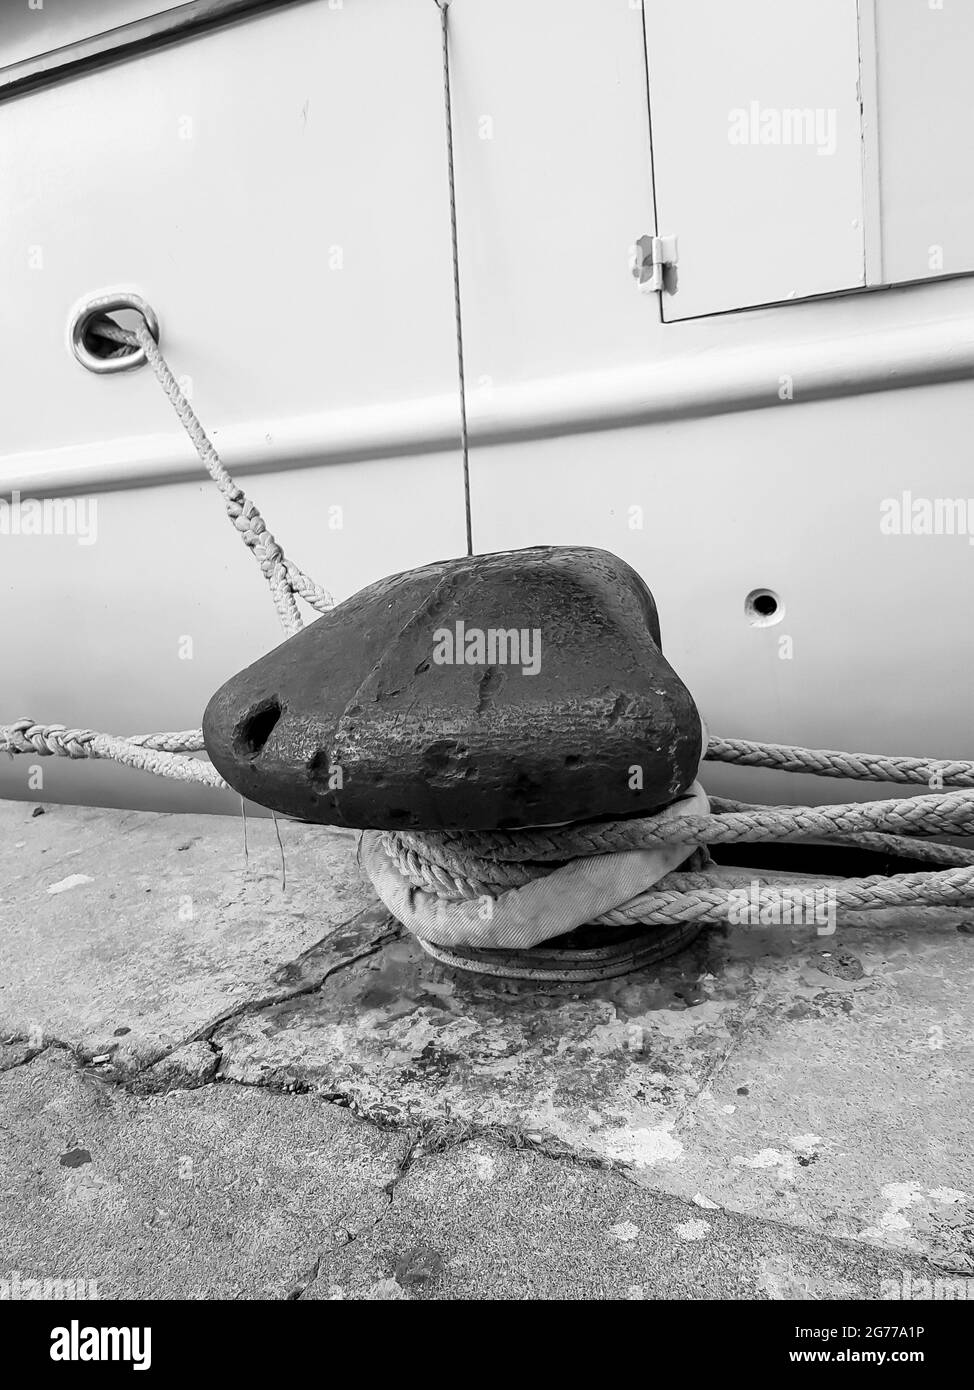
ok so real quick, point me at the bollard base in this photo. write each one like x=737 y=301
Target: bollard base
x=583 y=956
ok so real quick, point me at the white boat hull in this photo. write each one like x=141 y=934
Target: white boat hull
x=289 y=224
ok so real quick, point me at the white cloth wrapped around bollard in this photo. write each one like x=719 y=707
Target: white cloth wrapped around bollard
x=547 y=907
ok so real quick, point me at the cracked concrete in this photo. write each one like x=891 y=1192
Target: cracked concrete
x=742 y=1069
x=218 y=1192
x=478 y=1221
x=237 y=1192
x=331 y=1114
x=168 y=927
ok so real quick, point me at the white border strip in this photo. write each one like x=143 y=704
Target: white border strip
x=714 y=382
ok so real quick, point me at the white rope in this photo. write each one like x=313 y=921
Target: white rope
x=163 y=754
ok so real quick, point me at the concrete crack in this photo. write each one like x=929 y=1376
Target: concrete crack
x=128 y=1076
x=31 y=1052
x=248 y=1006
x=305 y=1281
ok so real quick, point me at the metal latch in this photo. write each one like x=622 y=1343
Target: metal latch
x=649 y=260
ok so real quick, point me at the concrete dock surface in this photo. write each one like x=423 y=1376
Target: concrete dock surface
x=232 y=1074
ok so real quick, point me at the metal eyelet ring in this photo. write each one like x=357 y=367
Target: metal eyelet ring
x=107 y=304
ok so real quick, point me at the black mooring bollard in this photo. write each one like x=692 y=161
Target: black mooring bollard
x=498 y=691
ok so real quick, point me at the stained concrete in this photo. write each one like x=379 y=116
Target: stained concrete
x=742 y=1070
x=769 y=1095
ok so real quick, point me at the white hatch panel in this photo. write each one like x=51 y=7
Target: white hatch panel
x=757 y=148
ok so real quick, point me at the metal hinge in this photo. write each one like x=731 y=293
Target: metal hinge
x=652 y=261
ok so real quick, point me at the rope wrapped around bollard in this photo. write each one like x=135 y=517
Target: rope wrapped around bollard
x=494 y=901
x=481 y=900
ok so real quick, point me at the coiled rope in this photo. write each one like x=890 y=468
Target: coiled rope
x=452 y=870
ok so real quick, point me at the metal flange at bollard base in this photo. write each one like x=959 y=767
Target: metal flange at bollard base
x=584 y=956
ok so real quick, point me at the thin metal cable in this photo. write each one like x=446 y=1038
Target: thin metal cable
x=455 y=243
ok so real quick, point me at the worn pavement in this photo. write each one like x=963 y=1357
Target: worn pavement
x=230 y=1075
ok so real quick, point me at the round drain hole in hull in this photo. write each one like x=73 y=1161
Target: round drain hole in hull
x=763 y=607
